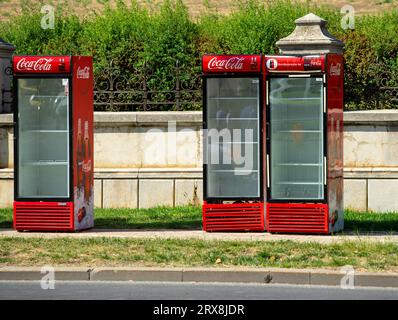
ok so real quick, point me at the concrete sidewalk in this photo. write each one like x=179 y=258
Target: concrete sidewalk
x=201 y=235
x=208 y=275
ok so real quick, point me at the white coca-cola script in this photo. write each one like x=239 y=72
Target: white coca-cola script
x=335 y=69
x=83 y=73
x=233 y=63
x=42 y=64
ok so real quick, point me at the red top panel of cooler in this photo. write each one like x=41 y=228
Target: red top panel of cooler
x=231 y=64
x=286 y=64
x=42 y=64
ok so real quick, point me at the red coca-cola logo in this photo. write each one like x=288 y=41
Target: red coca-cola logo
x=272 y=64
x=83 y=73
x=87 y=166
x=42 y=64
x=233 y=63
x=335 y=69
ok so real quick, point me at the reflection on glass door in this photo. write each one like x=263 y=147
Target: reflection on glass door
x=233 y=134
x=43 y=134
x=297 y=138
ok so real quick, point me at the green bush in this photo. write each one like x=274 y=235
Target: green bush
x=137 y=39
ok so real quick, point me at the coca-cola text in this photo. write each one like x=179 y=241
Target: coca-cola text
x=41 y=64
x=233 y=63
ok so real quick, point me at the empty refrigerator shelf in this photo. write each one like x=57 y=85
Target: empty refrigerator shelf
x=238 y=142
x=46 y=131
x=237 y=170
x=303 y=131
x=300 y=164
x=237 y=119
x=299 y=183
x=298 y=198
x=38 y=96
x=290 y=99
x=233 y=98
x=46 y=163
x=46 y=196
x=294 y=120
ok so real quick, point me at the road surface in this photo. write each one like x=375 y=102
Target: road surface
x=179 y=291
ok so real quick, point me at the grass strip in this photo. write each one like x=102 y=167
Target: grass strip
x=94 y=252
x=190 y=217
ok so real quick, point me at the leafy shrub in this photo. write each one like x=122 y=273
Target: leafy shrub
x=137 y=39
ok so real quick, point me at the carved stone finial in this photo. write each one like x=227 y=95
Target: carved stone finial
x=310 y=37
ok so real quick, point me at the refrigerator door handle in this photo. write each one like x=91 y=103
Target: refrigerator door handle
x=268 y=171
x=267 y=131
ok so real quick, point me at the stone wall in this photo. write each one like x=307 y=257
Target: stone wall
x=144 y=159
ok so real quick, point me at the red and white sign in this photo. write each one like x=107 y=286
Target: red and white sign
x=83 y=73
x=294 y=63
x=41 y=64
x=335 y=69
x=231 y=63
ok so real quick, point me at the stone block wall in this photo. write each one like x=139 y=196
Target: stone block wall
x=146 y=159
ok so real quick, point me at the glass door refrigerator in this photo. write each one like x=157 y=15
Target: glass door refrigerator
x=53 y=143
x=304 y=157
x=232 y=169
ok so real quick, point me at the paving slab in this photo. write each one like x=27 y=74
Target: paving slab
x=203 y=275
x=201 y=235
x=37 y=273
x=225 y=275
x=136 y=274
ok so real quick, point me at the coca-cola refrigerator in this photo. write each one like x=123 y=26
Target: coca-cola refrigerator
x=53 y=143
x=304 y=149
x=232 y=128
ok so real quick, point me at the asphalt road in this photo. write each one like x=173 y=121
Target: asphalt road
x=179 y=291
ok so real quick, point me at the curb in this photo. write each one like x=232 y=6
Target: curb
x=222 y=275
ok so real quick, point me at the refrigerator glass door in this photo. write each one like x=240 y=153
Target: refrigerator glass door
x=297 y=139
x=43 y=138
x=232 y=148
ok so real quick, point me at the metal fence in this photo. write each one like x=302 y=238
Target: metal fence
x=144 y=90
x=6 y=91
x=387 y=83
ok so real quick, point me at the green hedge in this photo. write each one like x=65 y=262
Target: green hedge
x=133 y=36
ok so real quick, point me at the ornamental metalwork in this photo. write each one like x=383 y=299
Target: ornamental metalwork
x=6 y=91
x=144 y=89
x=387 y=85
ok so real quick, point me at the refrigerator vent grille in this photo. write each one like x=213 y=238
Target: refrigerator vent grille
x=233 y=217
x=297 y=218
x=44 y=216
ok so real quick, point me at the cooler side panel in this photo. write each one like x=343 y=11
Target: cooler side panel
x=83 y=141
x=335 y=104
x=264 y=139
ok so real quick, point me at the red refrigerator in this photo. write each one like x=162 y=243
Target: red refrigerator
x=232 y=128
x=53 y=143
x=304 y=143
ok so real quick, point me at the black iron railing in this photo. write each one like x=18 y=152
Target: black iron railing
x=144 y=90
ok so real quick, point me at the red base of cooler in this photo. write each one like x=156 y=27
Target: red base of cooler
x=233 y=217
x=297 y=218
x=43 y=216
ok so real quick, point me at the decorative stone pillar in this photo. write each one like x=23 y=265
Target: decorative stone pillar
x=310 y=37
x=6 y=52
